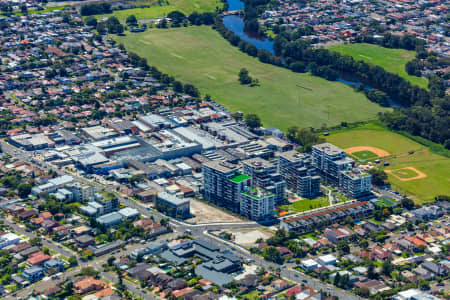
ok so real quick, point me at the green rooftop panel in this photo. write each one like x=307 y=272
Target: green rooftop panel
x=240 y=178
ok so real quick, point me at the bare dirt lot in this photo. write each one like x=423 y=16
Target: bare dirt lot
x=204 y=213
x=247 y=237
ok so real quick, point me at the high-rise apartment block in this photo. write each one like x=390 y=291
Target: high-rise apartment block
x=257 y=204
x=299 y=173
x=264 y=174
x=355 y=183
x=223 y=184
x=338 y=169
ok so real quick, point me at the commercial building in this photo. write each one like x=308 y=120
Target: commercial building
x=257 y=204
x=53 y=184
x=110 y=219
x=32 y=141
x=265 y=174
x=98 y=133
x=155 y=122
x=223 y=184
x=129 y=213
x=173 y=206
x=414 y=294
x=216 y=266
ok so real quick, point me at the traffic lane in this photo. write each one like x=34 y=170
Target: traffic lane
x=57 y=248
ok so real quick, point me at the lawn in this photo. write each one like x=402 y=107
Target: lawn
x=199 y=55
x=392 y=60
x=185 y=6
x=385 y=202
x=306 y=204
x=405 y=153
x=364 y=155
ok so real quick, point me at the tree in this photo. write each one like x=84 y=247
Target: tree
x=244 y=77
x=113 y=25
x=87 y=254
x=73 y=261
x=35 y=241
x=89 y=271
x=407 y=203
x=363 y=244
x=272 y=254
x=379 y=177
x=177 y=86
x=371 y=274
x=176 y=17
x=131 y=20
x=24 y=9
x=91 y=21
x=343 y=247
x=252 y=121
x=307 y=138
x=191 y=90
x=387 y=268
x=298 y=67
x=292 y=132
x=24 y=189
x=364 y=292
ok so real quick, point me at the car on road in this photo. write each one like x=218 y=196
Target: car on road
x=304 y=280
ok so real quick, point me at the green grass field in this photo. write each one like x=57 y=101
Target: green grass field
x=382 y=202
x=199 y=55
x=306 y=204
x=404 y=173
x=364 y=155
x=436 y=167
x=392 y=60
x=185 y=6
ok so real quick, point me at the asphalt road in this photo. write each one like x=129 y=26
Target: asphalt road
x=198 y=231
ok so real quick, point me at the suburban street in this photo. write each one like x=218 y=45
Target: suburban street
x=198 y=231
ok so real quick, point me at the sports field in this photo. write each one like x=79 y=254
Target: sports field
x=413 y=169
x=199 y=55
x=365 y=155
x=392 y=60
x=185 y=6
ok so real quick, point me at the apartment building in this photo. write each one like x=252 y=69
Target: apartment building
x=308 y=184
x=257 y=204
x=355 y=183
x=223 y=184
x=299 y=173
x=82 y=193
x=265 y=174
x=329 y=161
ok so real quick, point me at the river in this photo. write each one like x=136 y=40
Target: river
x=235 y=23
